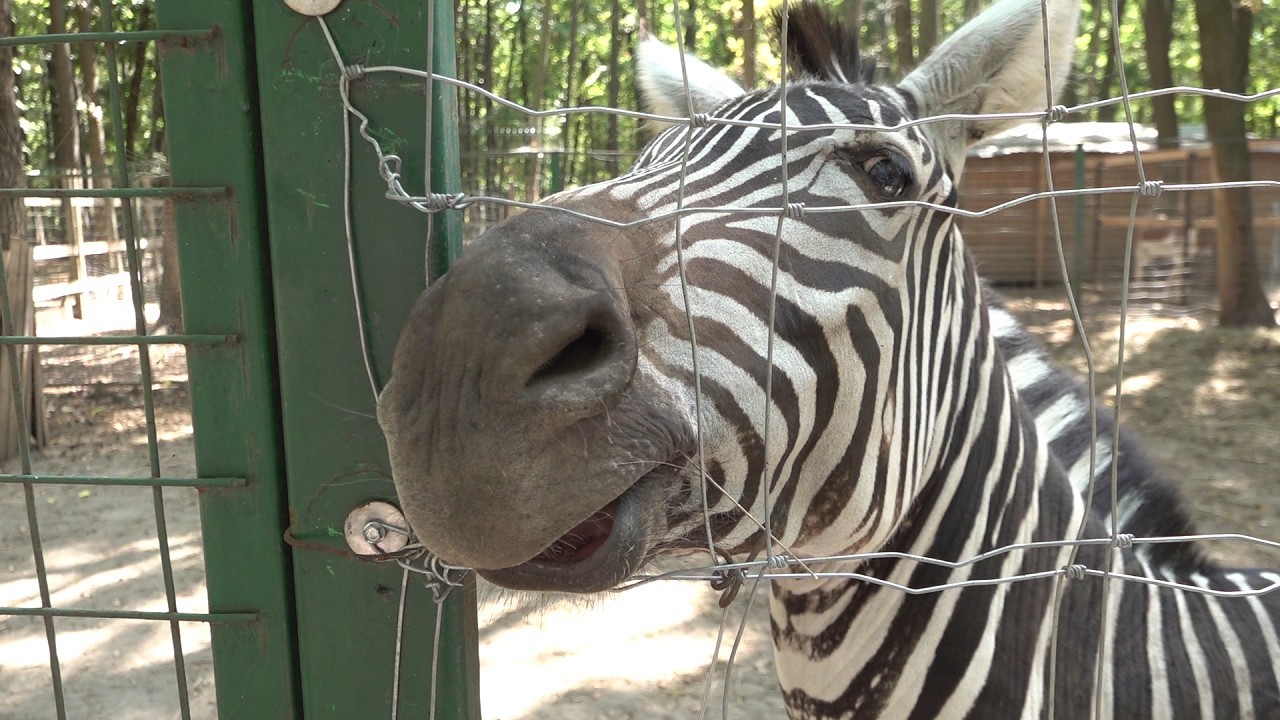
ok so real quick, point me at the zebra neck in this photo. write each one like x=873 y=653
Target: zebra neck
x=854 y=646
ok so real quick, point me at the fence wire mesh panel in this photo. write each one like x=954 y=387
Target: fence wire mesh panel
x=1138 y=233
x=112 y=531
x=331 y=134
x=147 y=569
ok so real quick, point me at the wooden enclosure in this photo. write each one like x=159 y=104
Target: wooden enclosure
x=1017 y=246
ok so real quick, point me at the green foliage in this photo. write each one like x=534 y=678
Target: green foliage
x=495 y=137
x=32 y=65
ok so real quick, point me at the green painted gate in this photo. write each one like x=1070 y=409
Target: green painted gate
x=257 y=110
x=285 y=438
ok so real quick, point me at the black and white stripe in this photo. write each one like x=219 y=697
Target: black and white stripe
x=963 y=437
x=544 y=388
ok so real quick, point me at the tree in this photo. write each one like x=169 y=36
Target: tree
x=615 y=80
x=928 y=27
x=104 y=216
x=1225 y=31
x=1157 y=22
x=902 y=33
x=747 y=30
x=1111 y=73
x=18 y=270
x=66 y=131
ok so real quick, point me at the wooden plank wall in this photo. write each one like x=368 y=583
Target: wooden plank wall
x=1016 y=246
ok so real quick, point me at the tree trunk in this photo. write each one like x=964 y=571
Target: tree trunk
x=12 y=215
x=1225 y=28
x=852 y=12
x=515 y=83
x=928 y=27
x=170 y=272
x=133 y=91
x=1157 y=20
x=614 y=88
x=157 y=119
x=66 y=135
x=20 y=280
x=467 y=102
x=1111 y=73
x=902 y=36
x=18 y=269
x=690 y=30
x=104 y=215
x=533 y=161
x=490 y=122
x=1090 y=63
x=748 y=32
x=642 y=14
x=570 y=86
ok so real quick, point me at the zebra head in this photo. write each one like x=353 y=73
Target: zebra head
x=543 y=415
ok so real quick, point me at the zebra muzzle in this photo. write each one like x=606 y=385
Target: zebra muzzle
x=601 y=551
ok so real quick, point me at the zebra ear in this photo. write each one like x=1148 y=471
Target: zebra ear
x=994 y=64
x=660 y=82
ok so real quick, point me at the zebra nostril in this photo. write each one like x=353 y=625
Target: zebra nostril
x=582 y=354
x=588 y=362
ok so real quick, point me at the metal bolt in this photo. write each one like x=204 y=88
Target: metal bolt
x=376 y=528
x=374 y=532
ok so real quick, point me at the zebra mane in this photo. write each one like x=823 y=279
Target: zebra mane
x=820 y=47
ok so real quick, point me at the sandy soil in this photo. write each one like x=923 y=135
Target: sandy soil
x=1206 y=400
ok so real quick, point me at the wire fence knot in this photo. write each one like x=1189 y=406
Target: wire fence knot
x=1151 y=188
x=439 y=576
x=1124 y=540
x=353 y=72
x=1074 y=572
x=795 y=211
x=1056 y=113
x=389 y=168
x=728 y=582
x=699 y=120
x=436 y=202
x=779 y=562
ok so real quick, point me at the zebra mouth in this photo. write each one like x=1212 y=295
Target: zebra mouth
x=601 y=551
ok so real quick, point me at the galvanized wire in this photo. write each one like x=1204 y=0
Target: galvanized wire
x=776 y=567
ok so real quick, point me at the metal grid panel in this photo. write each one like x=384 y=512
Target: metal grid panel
x=232 y=382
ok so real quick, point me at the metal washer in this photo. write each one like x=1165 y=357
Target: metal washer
x=314 y=8
x=376 y=528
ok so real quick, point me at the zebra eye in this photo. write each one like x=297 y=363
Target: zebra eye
x=889 y=172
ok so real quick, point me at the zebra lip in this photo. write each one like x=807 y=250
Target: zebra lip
x=601 y=551
x=584 y=539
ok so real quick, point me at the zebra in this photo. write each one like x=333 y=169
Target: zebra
x=546 y=424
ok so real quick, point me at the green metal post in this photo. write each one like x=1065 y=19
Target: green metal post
x=347 y=611
x=446 y=160
x=213 y=131
x=557 y=171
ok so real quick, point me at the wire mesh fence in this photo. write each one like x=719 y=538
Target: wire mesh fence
x=104 y=603
x=1139 y=241
x=1093 y=252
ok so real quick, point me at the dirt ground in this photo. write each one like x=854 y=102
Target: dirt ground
x=1207 y=402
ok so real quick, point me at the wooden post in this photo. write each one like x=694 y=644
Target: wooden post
x=20 y=275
